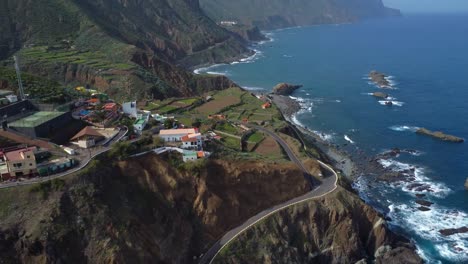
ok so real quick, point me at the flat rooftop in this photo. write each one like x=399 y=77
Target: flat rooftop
x=36 y=119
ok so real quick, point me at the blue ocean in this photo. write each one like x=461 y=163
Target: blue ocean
x=426 y=57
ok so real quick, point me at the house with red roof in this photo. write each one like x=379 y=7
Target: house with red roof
x=17 y=163
x=192 y=141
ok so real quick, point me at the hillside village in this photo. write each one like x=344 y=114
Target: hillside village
x=46 y=140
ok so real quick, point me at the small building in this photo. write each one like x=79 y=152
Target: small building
x=189 y=156
x=266 y=105
x=130 y=109
x=112 y=107
x=192 y=141
x=93 y=101
x=87 y=138
x=21 y=162
x=139 y=125
x=12 y=98
x=175 y=135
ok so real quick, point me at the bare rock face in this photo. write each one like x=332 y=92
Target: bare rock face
x=466 y=184
x=379 y=79
x=439 y=135
x=285 y=88
x=143 y=210
x=380 y=95
x=338 y=228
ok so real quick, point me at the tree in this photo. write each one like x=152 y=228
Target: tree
x=158 y=141
x=197 y=123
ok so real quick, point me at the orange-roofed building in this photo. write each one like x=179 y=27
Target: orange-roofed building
x=192 y=141
x=266 y=105
x=201 y=154
x=111 y=107
x=94 y=101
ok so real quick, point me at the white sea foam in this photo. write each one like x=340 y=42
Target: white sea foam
x=427 y=225
x=324 y=136
x=253 y=88
x=287 y=56
x=225 y=73
x=404 y=128
x=348 y=139
x=206 y=69
x=395 y=103
x=417 y=181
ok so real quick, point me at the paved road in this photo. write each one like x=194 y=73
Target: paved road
x=83 y=163
x=326 y=186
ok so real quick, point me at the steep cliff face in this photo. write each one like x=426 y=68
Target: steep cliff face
x=271 y=14
x=138 y=211
x=339 y=228
x=98 y=43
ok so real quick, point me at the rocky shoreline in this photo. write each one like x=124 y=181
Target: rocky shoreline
x=342 y=160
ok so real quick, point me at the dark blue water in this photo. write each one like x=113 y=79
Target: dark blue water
x=427 y=57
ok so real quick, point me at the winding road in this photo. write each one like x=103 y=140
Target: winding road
x=326 y=186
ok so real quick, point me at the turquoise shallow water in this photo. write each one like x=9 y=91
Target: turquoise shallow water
x=427 y=59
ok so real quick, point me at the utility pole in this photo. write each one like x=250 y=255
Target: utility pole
x=18 y=75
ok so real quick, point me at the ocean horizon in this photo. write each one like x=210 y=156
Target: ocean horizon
x=426 y=62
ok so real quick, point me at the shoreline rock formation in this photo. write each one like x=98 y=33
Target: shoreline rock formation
x=380 y=95
x=466 y=184
x=285 y=88
x=439 y=135
x=380 y=79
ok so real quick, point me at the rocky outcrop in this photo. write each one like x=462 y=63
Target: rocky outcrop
x=439 y=135
x=466 y=184
x=248 y=33
x=380 y=79
x=143 y=210
x=380 y=95
x=285 y=88
x=453 y=231
x=338 y=228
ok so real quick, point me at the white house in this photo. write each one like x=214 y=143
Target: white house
x=175 y=135
x=130 y=108
x=192 y=141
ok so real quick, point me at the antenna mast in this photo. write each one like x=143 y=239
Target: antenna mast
x=18 y=75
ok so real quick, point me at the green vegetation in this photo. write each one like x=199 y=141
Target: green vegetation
x=93 y=59
x=256 y=137
x=45 y=90
x=227 y=127
x=231 y=142
x=45 y=188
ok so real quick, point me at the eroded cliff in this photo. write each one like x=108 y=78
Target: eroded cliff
x=338 y=228
x=140 y=210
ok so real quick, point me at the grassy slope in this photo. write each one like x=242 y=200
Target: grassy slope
x=125 y=48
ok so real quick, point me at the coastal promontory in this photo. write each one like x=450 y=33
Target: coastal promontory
x=380 y=79
x=439 y=135
x=285 y=88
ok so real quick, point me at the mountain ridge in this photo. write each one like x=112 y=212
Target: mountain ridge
x=275 y=14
